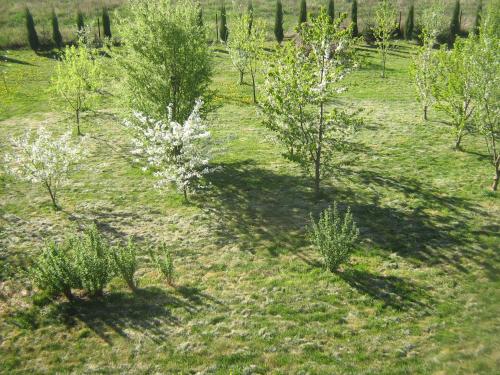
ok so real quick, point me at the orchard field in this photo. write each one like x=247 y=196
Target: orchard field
x=420 y=294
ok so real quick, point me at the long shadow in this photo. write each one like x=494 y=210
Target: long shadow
x=10 y=60
x=147 y=311
x=392 y=291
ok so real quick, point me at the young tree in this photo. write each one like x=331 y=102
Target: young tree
x=250 y=14
x=454 y=24
x=331 y=10
x=410 y=23
x=32 y=34
x=56 y=33
x=44 y=159
x=385 y=19
x=106 y=23
x=78 y=79
x=278 y=22
x=176 y=153
x=254 y=49
x=303 y=12
x=454 y=86
x=354 y=18
x=165 y=58
x=80 y=22
x=223 y=31
x=300 y=82
x=484 y=64
x=236 y=44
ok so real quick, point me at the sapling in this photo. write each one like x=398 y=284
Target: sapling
x=125 y=262
x=385 y=24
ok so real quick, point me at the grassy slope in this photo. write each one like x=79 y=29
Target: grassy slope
x=12 y=28
x=421 y=296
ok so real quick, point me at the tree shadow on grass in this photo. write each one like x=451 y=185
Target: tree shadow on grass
x=392 y=291
x=255 y=207
x=147 y=311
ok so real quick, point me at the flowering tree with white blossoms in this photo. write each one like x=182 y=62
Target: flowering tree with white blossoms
x=44 y=159
x=176 y=153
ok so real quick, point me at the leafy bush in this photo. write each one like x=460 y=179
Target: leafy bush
x=165 y=263
x=54 y=271
x=369 y=33
x=335 y=235
x=93 y=262
x=125 y=263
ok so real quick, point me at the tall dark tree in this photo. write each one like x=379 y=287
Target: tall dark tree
x=106 y=23
x=354 y=18
x=80 y=22
x=30 y=27
x=454 y=24
x=331 y=10
x=278 y=22
x=303 y=12
x=223 y=31
x=56 y=33
x=410 y=23
x=477 y=22
x=250 y=15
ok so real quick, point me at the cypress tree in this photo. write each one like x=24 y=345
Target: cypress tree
x=250 y=15
x=80 y=23
x=199 y=20
x=354 y=18
x=410 y=23
x=455 y=24
x=223 y=32
x=56 y=33
x=106 y=23
x=32 y=35
x=477 y=22
x=278 y=22
x=303 y=12
x=331 y=10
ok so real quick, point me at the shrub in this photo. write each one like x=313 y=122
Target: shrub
x=335 y=235
x=56 y=33
x=54 y=272
x=369 y=33
x=303 y=12
x=32 y=34
x=92 y=261
x=106 y=23
x=278 y=22
x=165 y=263
x=125 y=263
x=80 y=23
x=331 y=10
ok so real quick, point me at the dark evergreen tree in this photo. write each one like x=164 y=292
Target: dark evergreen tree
x=32 y=35
x=354 y=18
x=56 y=33
x=223 y=31
x=477 y=22
x=331 y=10
x=250 y=15
x=455 y=24
x=106 y=23
x=278 y=22
x=303 y=12
x=410 y=23
x=80 y=23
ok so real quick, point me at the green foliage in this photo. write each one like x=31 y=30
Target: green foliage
x=410 y=23
x=477 y=21
x=223 y=30
x=354 y=18
x=31 y=31
x=454 y=24
x=56 y=33
x=125 y=262
x=106 y=23
x=93 y=261
x=303 y=12
x=335 y=235
x=54 y=271
x=165 y=59
x=278 y=22
x=331 y=10
x=250 y=14
x=80 y=22
x=165 y=263
x=385 y=24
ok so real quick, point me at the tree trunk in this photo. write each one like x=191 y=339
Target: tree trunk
x=67 y=293
x=185 y=194
x=425 y=113
x=253 y=87
x=494 y=187
x=78 y=122
x=383 y=66
x=241 y=78
x=52 y=197
x=458 y=140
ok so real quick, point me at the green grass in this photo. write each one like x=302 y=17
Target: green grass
x=13 y=30
x=421 y=295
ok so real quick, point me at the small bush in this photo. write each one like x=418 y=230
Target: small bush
x=80 y=22
x=335 y=235
x=106 y=23
x=165 y=263
x=369 y=33
x=54 y=272
x=93 y=262
x=125 y=263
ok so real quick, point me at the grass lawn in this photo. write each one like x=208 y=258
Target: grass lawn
x=420 y=296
